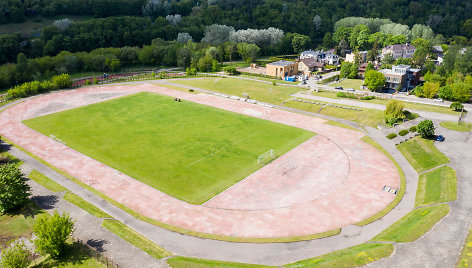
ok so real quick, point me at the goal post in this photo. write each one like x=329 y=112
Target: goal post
x=266 y=157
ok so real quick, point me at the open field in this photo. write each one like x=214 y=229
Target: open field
x=355 y=256
x=187 y=150
x=422 y=154
x=349 y=83
x=414 y=225
x=456 y=127
x=436 y=186
x=257 y=90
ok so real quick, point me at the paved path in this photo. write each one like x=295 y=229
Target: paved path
x=272 y=254
x=425 y=114
x=87 y=227
x=441 y=246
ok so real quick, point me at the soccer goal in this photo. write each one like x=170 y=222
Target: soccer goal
x=266 y=157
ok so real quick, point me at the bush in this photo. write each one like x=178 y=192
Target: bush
x=390 y=120
x=391 y=136
x=395 y=109
x=426 y=128
x=403 y=132
x=52 y=233
x=14 y=190
x=457 y=106
x=368 y=98
x=412 y=129
x=15 y=256
x=231 y=70
x=62 y=81
x=346 y=95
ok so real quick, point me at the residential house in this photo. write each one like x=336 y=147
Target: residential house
x=399 y=51
x=310 y=65
x=401 y=77
x=282 y=68
x=351 y=57
x=326 y=57
x=439 y=53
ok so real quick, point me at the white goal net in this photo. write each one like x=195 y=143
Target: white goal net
x=266 y=157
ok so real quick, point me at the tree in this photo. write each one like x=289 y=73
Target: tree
x=345 y=69
x=63 y=80
x=52 y=233
x=457 y=106
x=183 y=38
x=115 y=65
x=16 y=255
x=426 y=129
x=14 y=192
x=317 y=22
x=327 y=41
x=388 y=59
x=300 y=43
x=231 y=70
x=430 y=90
x=374 y=80
x=394 y=109
x=217 y=34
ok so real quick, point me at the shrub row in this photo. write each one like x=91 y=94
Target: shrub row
x=346 y=95
x=36 y=87
x=413 y=129
x=403 y=132
x=391 y=136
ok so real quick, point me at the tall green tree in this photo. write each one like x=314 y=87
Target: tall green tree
x=300 y=43
x=374 y=80
x=52 y=233
x=14 y=192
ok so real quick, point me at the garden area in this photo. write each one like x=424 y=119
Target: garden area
x=349 y=83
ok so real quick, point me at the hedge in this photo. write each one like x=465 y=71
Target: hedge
x=36 y=87
x=403 y=132
x=413 y=129
x=391 y=136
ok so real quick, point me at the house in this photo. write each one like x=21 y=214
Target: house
x=439 y=53
x=401 y=77
x=399 y=51
x=282 y=68
x=309 y=65
x=326 y=57
x=351 y=57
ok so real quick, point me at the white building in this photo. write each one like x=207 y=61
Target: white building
x=399 y=51
x=326 y=57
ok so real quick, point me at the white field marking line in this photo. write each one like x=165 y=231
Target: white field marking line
x=231 y=145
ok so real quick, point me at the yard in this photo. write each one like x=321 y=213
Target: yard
x=436 y=186
x=349 y=83
x=187 y=150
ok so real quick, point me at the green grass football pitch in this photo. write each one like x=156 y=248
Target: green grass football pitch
x=187 y=150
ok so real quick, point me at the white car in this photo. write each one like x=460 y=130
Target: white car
x=350 y=89
x=438 y=100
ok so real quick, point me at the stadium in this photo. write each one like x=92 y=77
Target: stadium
x=208 y=165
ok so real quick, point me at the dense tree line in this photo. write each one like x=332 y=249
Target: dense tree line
x=313 y=18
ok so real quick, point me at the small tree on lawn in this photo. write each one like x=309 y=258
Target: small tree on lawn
x=457 y=106
x=426 y=128
x=14 y=192
x=15 y=256
x=52 y=233
x=374 y=80
x=394 y=111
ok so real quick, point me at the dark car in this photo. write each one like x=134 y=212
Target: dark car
x=440 y=138
x=340 y=88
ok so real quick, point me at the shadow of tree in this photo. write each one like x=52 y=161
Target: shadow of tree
x=74 y=254
x=46 y=201
x=97 y=244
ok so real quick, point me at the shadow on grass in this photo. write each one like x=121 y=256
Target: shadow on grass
x=29 y=210
x=74 y=254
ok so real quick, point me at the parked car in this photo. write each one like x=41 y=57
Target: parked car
x=340 y=88
x=440 y=138
x=438 y=100
x=350 y=89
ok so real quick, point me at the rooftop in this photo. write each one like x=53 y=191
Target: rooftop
x=400 y=47
x=282 y=63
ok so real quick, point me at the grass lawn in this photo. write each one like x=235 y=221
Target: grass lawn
x=414 y=225
x=188 y=150
x=237 y=64
x=465 y=258
x=455 y=126
x=76 y=256
x=136 y=239
x=257 y=90
x=422 y=154
x=436 y=186
x=368 y=117
x=349 y=83
x=359 y=255
x=186 y=262
x=18 y=223
x=46 y=182
x=269 y=79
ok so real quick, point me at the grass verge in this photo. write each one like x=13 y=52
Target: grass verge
x=359 y=255
x=436 y=186
x=181 y=262
x=413 y=225
x=401 y=191
x=136 y=239
x=76 y=200
x=46 y=182
x=455 y=126
x=465 y=258
x=422 y=154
